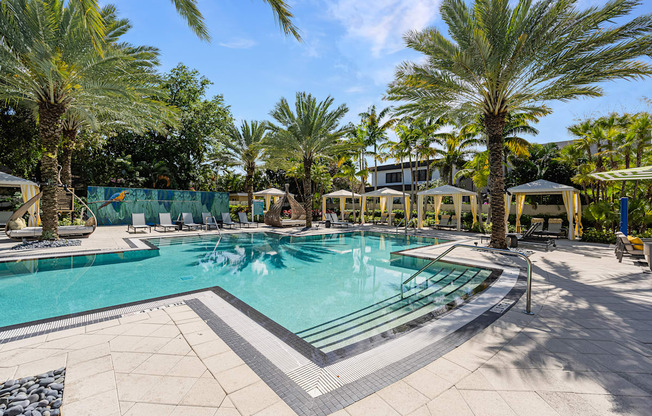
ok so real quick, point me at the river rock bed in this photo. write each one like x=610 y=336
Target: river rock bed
x=46 y=244
x=39 y=395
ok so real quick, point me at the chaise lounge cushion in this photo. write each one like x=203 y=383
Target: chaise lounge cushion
x=637 y=243
x=17 y=224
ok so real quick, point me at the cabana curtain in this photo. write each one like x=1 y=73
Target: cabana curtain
x=446 y=190
x=29 y=192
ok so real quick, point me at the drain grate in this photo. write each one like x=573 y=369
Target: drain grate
x=502 y=306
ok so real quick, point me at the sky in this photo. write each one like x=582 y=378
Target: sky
x=350 y=50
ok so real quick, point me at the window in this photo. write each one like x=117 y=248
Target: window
x=394 y=177
x=422 y=175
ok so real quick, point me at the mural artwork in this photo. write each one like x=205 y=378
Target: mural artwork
x=114 y=206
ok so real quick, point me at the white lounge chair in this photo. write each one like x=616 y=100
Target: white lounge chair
x=242 y=216
x=208 y=220
x=165 y=222
x=189 y=223
x=138 y=223
x=336 y=221
x=554 y=228
x=226 y=220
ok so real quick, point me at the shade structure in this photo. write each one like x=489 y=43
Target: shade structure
x=446 y=190
x=386 y=196
x=342 y=194
x=268 y=194
x=542 y=187
x=28 y=189
x=633 y=174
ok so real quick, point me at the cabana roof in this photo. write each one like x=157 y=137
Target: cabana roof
x=342 y=193
x=540 y=187
x=270 y=191
x=7 y=180
x=632 y=174
x=385 y=192
x=446 y=190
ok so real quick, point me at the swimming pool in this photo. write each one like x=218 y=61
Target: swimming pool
x=331 y=290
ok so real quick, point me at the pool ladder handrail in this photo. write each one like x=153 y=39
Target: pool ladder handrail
x=528 y=304
x=219 y=239
x=412 y=221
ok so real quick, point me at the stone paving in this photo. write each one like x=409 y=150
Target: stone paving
x=586 y=351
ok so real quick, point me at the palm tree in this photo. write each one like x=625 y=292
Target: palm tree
x=190 y=12
x=244 y=148
x=376 y=133
x=311 y=132
x=502 y=59
x=49 y=64
x=640 y=134
x=349 y=172
x=456 y=146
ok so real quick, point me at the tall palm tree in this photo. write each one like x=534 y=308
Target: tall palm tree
x=309 y=133
x=640 y=134
x=190 y=12
x=244 y=148
x=502 y=59
x=50 y=65
x=376 y=132
x=456 y=146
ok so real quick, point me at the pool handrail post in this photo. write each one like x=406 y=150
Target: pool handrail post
x=528 y=294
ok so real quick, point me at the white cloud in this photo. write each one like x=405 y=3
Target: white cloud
x=384 y=22
x=354 y=89
x=239 y=43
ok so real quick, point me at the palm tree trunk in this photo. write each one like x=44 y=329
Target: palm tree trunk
x=68 y=145
x=249 y=185
x=50 y=132
x=639 y=156
x=375 y=176
x=494 y=126
x=307 y=190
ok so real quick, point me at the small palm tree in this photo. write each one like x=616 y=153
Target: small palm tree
x=502 y=59
x=49 y=64
x=309 y=133
x=456 y=146
x=376 y=133
x=244 y=148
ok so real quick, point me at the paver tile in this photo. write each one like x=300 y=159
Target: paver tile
x=126 y=362
x=107 y=402
x=428 y=383
x=236 y=378
x=205 y=392
x=188 y=367
x=527 y=403
x=222 y=362
x=449 y=402
x=402 y=397
x=371 y=405
x=157 y=364
x=277 y=409
x=146 y=409
x=486 y=403
x=193 y=411
x=89 y=387
x=253 y=398
x=448 y=370
x=81 y=371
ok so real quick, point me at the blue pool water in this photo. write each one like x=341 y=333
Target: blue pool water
x=299 y=282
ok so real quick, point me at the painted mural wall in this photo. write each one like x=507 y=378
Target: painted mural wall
x=113 y=206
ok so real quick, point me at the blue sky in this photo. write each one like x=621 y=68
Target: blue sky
x=350 y=50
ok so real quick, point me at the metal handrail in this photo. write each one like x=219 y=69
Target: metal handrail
x=412 y=220
x=528 y=304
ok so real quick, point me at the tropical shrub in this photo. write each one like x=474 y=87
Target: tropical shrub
x=591 y=235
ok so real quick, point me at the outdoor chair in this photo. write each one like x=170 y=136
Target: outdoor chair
x=138 y=223
x=226 y=220
x=626 y=247
x=189 y=222
x=535 y=221
x=447 y=222
x=554 y=228
x=336 y=221
x=242 y=216
x=165 y=222
x=383 y=219
x=208 y=220
x=530 y=237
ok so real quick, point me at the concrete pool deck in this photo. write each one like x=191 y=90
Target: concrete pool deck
x=586 y=351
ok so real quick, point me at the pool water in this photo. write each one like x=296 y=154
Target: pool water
x=299 y=282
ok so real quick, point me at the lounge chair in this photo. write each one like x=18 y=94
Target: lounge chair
x=447 y=222
x=226 y=220
x=138 y=223
x=336 y=221
x=189 y=222
x=530 y=237
x=242 y=216
x=626 y=247
x=385 y=218
x=208 y=220
x=165 y=222
x=554 y=228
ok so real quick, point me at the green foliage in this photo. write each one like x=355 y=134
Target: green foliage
x=176 y=160
x=591 y=235
x=19 y=141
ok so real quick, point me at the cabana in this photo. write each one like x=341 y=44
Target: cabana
x=386 y=196
x=447 y=190
x=29 y=190
x=341 y=195
x=268 y=194
x=542 y=187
